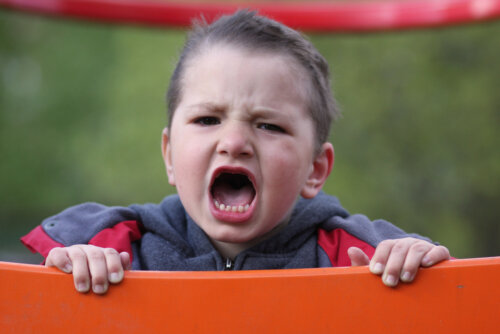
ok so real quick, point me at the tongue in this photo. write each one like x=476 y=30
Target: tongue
x=225 y=194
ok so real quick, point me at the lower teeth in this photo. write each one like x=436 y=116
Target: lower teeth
x=234 y=208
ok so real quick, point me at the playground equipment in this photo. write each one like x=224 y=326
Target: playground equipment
x=325 y=16
x=459 y=296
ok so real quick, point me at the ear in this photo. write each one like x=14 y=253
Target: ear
x=166 y=151
x=320 y=169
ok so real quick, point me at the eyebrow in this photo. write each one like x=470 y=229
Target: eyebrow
x=206 y=105
x=255 y=112
x=261 y=111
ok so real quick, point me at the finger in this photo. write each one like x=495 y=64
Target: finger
x=98 y=269
x=114 y=265
x=395 y=262
x=416 y=253
x=436 y=255
x=125 y=259
x=358 y=257
x=58 y=257
x=379 y=259
x=81 y=275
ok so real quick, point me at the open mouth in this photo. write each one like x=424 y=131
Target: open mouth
x=232 y=192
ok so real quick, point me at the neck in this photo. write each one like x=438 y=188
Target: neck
x=229 y=250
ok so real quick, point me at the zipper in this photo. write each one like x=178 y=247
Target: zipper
x=229 y=264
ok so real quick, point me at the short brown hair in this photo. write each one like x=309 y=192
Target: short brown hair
x=248 y=30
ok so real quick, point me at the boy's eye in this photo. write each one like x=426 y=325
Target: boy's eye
x=207 y=120
x=271 y=127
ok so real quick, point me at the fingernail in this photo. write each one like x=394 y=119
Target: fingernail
x=378 y=268
x=406 y=277
x=426 y=261
x=98 y=288
x=82 y=287
x=390 y=280
x=68 y=268
x=115 y=277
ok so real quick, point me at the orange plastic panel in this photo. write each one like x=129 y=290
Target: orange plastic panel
x=461 y=296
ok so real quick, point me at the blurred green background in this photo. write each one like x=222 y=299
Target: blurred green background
x=82 y=108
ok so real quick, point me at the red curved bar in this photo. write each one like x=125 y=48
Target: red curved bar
x=312 y=16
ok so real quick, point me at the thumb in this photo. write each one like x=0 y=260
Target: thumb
x=358 y=257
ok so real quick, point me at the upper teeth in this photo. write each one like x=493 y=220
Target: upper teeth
x=234 y=208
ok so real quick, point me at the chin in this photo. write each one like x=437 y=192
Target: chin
x=231 y=237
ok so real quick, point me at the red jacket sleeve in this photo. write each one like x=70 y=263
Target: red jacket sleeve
x=335 y=244
x=120 y=237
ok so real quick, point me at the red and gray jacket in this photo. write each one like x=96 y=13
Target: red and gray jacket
x=164 y=237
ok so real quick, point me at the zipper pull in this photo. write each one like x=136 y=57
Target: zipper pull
x=229 y=264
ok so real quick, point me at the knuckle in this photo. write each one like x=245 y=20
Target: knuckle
x=55 y=252
x=420 y=247
x=78 y=256
x=110 y=251
x=95 y=255
x=443 y=250
x=399 y=247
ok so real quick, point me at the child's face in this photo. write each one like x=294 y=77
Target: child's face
x=242 y=138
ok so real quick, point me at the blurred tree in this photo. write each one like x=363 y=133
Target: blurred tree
x=82 y=108
x=418 y=142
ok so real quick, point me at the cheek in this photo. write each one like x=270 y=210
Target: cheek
x=289 y=167
x=189 y=167
x=285 y=180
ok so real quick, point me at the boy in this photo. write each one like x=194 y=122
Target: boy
x=250 y=108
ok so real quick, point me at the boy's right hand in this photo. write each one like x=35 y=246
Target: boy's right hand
x=90 y=264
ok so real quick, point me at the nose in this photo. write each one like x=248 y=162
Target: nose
x=235 y=140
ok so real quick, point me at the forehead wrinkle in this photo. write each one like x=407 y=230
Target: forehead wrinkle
x=288 y=75
x=265 y=112
x=287 y=88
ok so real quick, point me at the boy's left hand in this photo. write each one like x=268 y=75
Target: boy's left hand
x=399 y=259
